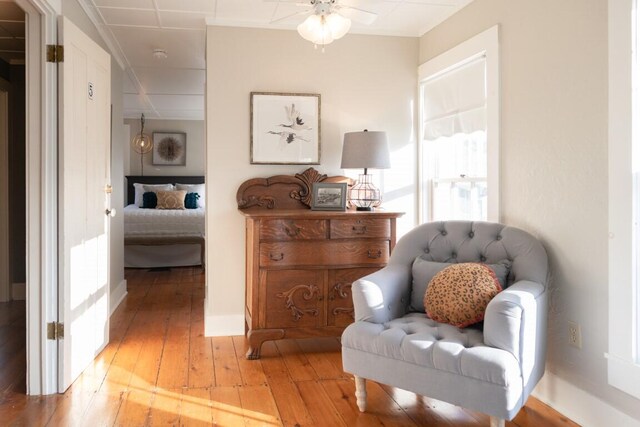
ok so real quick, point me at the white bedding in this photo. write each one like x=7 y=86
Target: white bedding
x=140 y=222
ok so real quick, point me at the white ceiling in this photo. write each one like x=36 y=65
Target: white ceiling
x=173 y=88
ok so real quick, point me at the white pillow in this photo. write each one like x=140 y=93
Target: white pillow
x=194 y=188
x=140 y=189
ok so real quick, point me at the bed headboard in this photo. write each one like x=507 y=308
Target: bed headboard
x=164 y=179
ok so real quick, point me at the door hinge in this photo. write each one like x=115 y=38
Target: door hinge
x=55 y=331
x=55 y=53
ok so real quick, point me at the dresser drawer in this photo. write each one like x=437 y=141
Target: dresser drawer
x=339 y=300
x=360 y=228
x=293 y=298
x=324 y=254
x=293 y=229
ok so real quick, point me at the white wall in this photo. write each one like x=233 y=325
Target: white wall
x=72 y=10
x=554 y=170
x=195 y=146
x=364 y=81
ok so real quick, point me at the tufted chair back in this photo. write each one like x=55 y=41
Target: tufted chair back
x=474 y=241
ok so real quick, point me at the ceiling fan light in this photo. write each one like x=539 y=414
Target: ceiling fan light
x=338 y=24
x=324 y=29
x=310 y=28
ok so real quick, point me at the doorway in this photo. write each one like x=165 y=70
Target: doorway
x=12 y=200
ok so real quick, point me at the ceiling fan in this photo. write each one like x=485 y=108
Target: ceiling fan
x=327 y=20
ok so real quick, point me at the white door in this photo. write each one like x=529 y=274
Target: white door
x=84 y=85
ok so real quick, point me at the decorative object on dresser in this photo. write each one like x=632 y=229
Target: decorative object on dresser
x=169 y=148
x=368 y=150
x=329 y=196
x=142 y=144
x=300 y=263
x=285 y=128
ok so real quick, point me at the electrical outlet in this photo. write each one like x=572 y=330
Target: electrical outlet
x=575 y=334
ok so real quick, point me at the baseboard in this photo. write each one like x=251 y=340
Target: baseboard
x=118 y=295
x=18 y=291
x=578 y=405
x=222 y=326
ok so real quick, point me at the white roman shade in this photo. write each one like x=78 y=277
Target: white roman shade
x=455 y=101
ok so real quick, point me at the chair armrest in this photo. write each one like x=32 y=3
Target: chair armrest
x=516 y=321
x=383 y=295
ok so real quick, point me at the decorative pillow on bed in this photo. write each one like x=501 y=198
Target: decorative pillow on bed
x=424 y=270
x=170 y=199
x=191 y=200
x=193 y=188
x=140 y=189
x=149 y=200
x=459 y=294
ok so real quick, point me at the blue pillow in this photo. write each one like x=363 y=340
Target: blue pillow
x=149 y=200
x=191 y=200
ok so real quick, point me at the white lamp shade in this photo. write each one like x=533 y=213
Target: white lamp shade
x=324 y=29
x=368 y=149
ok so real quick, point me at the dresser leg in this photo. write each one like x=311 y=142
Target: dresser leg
x=258 y=336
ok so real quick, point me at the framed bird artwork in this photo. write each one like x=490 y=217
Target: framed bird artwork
x=285 y=128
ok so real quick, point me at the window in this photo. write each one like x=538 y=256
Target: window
x=459 y=132
x=623 y=357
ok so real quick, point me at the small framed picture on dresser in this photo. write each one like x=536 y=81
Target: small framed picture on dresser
x=329 y=196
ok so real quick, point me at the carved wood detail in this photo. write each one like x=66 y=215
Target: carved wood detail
x=344 y=310
x=309 y=292
x=282 y=191
x=341 y=290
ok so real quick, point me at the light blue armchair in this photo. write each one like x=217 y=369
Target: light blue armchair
x=491 y=368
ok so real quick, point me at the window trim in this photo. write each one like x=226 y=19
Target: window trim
x=623 y=369
x=484 y=44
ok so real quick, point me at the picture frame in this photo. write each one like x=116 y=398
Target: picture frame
x=285 y=128
x=329 y=196
x=169 y=149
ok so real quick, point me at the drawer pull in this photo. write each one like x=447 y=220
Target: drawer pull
x=295 y=232
x=276 y=257
x=360 y=229
x=374 y=254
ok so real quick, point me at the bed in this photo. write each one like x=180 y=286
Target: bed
x=162 y=238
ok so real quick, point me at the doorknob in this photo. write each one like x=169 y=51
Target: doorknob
x=110 y=212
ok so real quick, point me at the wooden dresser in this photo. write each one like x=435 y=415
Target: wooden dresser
x=300 y=263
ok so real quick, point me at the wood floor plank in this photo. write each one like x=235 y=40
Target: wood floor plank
x=159 y=369
x=250 y=371
x=536 y=412
x=135 y=408
x=201 y=372
x=321 y=356
x=166 y=407
x=273 y=365
x=196 y=407
x=226 y=406
x=292 y=409
x=225 y=362
x=297 y=363
x=320 y=407
x=381 y=409
x=174 y=365
x=258 y=406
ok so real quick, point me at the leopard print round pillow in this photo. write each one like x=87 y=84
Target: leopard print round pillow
x=459 y=294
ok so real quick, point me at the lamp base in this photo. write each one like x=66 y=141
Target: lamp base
x=364 y=208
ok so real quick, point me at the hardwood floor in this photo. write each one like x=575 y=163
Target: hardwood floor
x=159 y=369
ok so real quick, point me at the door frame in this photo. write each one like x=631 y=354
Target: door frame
x=41 y=190
x=5 y=277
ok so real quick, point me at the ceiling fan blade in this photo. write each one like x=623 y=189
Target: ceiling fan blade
x=356 y=14
x=291 y=15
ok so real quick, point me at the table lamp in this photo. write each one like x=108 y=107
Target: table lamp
x=368 y=150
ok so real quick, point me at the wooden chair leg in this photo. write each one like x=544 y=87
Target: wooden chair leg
x=361 y=393
x=496 y=422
